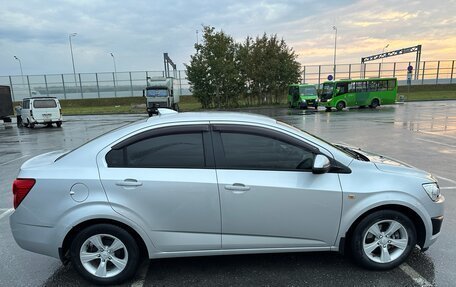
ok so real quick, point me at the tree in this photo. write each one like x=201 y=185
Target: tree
x=212 y=73
x=222 y=72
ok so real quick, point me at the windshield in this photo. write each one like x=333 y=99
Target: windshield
x=328 y=88
x=351 y=153
x=157 y=93
x=309 y=90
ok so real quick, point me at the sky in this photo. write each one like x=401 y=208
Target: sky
x=138 y=32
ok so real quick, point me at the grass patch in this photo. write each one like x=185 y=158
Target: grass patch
x=429 y=95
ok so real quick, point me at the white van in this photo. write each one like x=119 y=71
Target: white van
x=41 y=110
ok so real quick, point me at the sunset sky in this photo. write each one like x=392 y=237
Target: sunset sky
x=138 y=32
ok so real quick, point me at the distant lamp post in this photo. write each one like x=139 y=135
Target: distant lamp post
x=115 y=74
x=22 y=73
x=383 y=50
x=115 y=68
x=72 y=58
x=335 y=49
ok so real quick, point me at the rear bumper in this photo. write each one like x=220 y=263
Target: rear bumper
x=38 y=239
x=45 y=121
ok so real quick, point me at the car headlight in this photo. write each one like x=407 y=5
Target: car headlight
x=433 y=190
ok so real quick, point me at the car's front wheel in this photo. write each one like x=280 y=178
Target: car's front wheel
x=383 y=240
x=105 y=254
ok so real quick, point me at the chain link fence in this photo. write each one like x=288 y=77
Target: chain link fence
x=131 y=84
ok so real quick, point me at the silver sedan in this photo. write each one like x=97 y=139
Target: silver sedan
x=194 y=184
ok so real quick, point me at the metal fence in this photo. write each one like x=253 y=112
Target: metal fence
x=85 y=85
x=129 y=84
x=426 y=73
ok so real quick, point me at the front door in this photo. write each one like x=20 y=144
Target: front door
x=269 y=196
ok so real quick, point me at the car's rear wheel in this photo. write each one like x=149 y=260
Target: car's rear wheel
x=105 y=254
x=59 y=124
x=383 y=240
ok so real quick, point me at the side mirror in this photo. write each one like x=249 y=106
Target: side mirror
x=321 y=164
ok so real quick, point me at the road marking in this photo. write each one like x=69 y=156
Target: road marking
x=448 y=187
x=435 y=142
x=142 y=273
x=416 y=277
x=6 y=213
x=5 y=163
x=446 y=179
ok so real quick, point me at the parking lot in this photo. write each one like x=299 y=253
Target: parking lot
x=422 y=134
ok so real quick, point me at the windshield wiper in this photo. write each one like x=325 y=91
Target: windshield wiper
x=353 y=153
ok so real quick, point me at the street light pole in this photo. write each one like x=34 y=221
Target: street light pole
x=72 y=58
x=383 y=50
x=335 y=48
x=22 y=73
x=115 y=68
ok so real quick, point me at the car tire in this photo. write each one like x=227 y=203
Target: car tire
x=31 y=125
x=115 y=260
x=383 y=240
x=328 y=109
x=374 y=104
x=59 y=124
x=340 y=106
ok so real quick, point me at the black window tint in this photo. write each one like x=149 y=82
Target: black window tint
x=167 y=151
x=115 y=158
x=175 y=150
x=249 y=151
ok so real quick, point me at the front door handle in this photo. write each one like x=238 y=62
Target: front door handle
x=129 y=182
x=237 y=187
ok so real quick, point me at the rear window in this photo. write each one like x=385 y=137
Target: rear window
x=44 y=104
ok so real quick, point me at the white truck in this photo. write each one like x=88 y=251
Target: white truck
x=161 y=92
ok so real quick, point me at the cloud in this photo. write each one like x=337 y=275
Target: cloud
x=139 y=31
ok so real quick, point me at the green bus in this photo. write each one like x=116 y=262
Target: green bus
x=371 y=92
x=302 y=96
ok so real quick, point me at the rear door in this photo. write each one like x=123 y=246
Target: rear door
x=164 y=179
x=46 y=110
x=268 y=194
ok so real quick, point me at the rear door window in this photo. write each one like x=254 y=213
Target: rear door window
x=38 y=104
x=178 y=150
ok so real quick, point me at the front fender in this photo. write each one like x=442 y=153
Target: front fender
x=354 y=208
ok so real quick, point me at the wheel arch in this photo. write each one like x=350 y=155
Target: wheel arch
x=420 y=227
x=64 y=253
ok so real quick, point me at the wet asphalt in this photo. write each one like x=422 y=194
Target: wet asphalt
x=422 y=134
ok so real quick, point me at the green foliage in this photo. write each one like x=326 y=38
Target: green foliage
x=224 y=74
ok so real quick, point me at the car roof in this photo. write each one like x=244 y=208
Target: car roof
x=210 y=116
x=41 y=98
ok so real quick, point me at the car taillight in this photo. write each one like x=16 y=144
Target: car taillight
x=21 y=187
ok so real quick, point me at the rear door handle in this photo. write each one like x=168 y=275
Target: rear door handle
x=237 y=187
x=129 y=182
